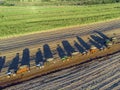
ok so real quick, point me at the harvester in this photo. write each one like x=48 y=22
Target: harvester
x=65 y=58
x=108 y=43
x=11 y=72
x=114 y=40
x=111 y=41
x=50 y=59
x=40 y=65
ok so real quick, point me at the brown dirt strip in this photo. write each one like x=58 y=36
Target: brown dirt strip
x=57 y=66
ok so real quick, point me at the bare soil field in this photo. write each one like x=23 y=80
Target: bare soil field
x=83 y=37
x=102 y=74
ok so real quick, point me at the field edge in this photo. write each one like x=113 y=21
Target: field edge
x=56 y=29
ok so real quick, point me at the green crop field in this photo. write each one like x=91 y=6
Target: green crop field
x=19 y=20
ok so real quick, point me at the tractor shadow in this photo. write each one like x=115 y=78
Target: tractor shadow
x=47 y=52
x=39 y=57
x=14 y=63
x=61 y=52
x=101 y=34
x=98 y=39
x=92 y=42
x=79 y=47
x=2 y=62
x=68 y=48
x=83 y=43
x=26 y=57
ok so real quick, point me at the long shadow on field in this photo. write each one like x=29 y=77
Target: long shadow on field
x=80 y=48
x=2 y=62
x=14 y=63
x=68 y=48
x=98 y=39
x=39 y=57
x=101 y=34
x=61 y=52
x=47 y=52
x=92 y=42
x=26 y=57
x=83 y=43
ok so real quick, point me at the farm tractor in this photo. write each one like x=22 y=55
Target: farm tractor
x=110 y=42
x=21 y=69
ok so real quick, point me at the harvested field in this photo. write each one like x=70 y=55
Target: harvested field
x=103 y=74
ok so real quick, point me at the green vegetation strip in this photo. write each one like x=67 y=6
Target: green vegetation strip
x=18 y=20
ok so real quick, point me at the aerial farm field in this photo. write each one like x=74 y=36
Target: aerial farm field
x=70 y=41
x=62 y=46
x=100 y=74
x=20 y=20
